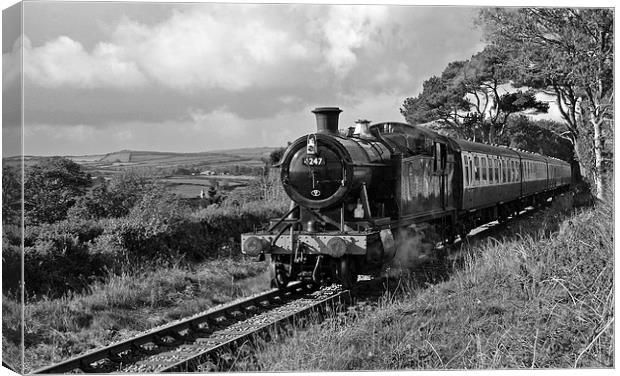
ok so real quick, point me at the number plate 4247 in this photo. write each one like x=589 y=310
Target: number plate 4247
x=314 y=161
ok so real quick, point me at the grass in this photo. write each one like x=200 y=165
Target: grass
x=541 y=296
x=125 y=305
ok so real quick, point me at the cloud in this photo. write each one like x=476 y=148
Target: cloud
x=196 y=48
x=215 y=46
x=183 y=79
x=64 y=62
x=11 y=66
x=348 y=29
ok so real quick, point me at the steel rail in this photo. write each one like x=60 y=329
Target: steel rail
x=193 y=327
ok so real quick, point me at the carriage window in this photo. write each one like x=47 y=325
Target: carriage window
x=509 y=170
x=483 y=167
x=444 y=156
x=496 y=167
x=503 y=171
x=466 y=170
x=527 y=174
x=476 y=170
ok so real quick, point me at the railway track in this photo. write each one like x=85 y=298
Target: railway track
x=185 y=345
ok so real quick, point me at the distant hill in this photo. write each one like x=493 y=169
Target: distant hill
x=116 y=161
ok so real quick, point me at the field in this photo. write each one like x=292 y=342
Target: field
x=184 y=174
x=191 y=186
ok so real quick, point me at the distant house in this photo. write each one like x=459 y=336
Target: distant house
x=207 y=172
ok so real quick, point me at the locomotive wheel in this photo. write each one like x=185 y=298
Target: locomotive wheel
x=279 y=276
x=348 y=275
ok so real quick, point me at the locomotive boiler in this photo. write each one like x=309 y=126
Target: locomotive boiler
x=352 y=193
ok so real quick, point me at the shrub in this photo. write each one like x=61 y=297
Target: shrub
x=51 y=187
x=11 y=258
x=158 y=230
x=116 y=198
x=57 y=257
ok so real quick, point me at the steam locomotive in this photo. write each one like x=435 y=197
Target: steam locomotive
x=353 y=194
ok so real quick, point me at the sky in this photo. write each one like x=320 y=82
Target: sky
x=101 y=77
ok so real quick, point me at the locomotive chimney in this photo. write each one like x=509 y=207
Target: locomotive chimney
x=327 y=119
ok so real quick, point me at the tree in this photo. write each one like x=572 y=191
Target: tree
x=467 y=98
x=536 y=136
x=570 y=52
x=276 y=155
x=51 y=187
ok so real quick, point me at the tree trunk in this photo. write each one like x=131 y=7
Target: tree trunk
x=492 y=134
x=584 y=168
x=598 y=160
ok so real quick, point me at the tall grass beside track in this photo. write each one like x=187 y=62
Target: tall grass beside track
x=124 y=305
x=161 y=268
x=541 y=296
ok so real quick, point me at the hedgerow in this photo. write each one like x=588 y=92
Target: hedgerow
x=69 y=255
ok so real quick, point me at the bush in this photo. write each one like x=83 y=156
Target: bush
x=158 y=230
x=149 y=232
x=51 y=187
x=217 y=231
x=116 y=198
x=11 y=258
x=57 y=257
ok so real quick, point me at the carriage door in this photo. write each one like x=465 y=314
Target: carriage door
x=440 y=156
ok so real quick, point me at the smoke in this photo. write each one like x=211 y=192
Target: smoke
x=413 y=246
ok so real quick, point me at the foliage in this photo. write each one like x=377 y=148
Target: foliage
x=467 y=100
x=70 y=255
x=11 y=194
x=115 y=198
x=569 y=51
x=535 y=136
x=149 y=232
x=57 y=257
x=11 y=258
x=51 y=187
x=276 y=155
